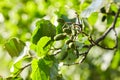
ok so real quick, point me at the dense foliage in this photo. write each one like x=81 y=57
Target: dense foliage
x=59 y=40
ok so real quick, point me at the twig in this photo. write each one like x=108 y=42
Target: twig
x=116 y=42
x=103 y=36
x=109 y=29
x=21 y=69
x=96 y=42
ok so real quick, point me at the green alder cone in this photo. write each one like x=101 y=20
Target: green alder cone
x=64 y=55
x=74 y=32
x=60 y=37
x=67 y=30
x=43 y=28
x=71 y=45
x=68 y=41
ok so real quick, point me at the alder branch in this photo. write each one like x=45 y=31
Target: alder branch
x=109 y=29
x=21 y=69
x=96 y=42
x=116 y=43
x=93 y=43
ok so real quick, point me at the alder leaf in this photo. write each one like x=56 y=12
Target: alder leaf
x=43 y=69
x=41 y=51
x=43 y=28
x=14 y=47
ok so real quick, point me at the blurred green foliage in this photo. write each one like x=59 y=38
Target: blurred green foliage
x=18 y=18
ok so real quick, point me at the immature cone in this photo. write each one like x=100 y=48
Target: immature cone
x=74 y=32
x=68 y=41
x=64 y=56
x=60 y=36
x=71 y=45
x=67 y=30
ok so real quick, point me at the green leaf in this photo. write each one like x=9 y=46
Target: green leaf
x=109 y=20
x=43 y=69
x=93 y=18
x=116 y=60
x=88 y=27
x=118 y=22
x=61 y=22
x=41 y=51
x=17 y=65
x=114 y=7
x=63 y=53
x=43 y=28
x=14 y=46
x=36 y=74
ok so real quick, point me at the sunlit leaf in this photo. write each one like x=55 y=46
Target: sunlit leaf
x=24 y=52
x=93 y=18
x=109 y=20
x=114 y=7
x=18 y=64
x=88 y=27
x=16 y=67
x=41 y=51
x=35 y=70
x=14 y=46
x=118 y=22
x=43 y=28
x=116 y=60
x=43 y=69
